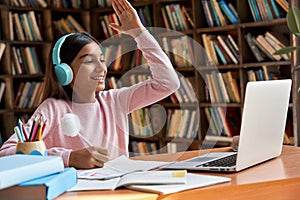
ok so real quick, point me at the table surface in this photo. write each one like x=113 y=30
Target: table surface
x=278 y=178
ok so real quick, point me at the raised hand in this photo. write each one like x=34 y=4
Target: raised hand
x=88 y=158
x=129 y=19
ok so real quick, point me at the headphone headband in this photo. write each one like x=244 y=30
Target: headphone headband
x=56 y=49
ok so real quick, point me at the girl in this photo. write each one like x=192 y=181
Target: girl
x=76 y=73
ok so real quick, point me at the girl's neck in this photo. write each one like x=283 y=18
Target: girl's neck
x=83 y=98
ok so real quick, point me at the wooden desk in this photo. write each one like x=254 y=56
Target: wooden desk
x=276 y=179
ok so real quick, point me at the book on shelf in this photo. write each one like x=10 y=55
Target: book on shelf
x=173 y=122
x=227 y=50
x=284 y=4
x=267 y=46
x=188 y=17
x=45 y=187
x=2 y=89
x=278 y=40
x=232 y=46
x=2 y=49
x=147 y=14
x=37 y=3
x=171 y=147
x=209 y=48
x=32 y=20
x=232 y=87
x=76 y=26
x=143 y=148
x=181 y=19
x=18 y=168
x=163 y=177
x=254 y=10
x=208 y=13
x=173 y=17
x=262 y=10
x=216 y=9
x=18 y=27
x=262 y=49
x=228 y=12
x=255 y=50
x=274 y=9
x=220 y=52
x=215 y=16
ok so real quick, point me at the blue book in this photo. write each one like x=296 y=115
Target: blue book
x=46 y=187
x=275 y=8
x=228 y=12
x=221 y=56
x=18 y=168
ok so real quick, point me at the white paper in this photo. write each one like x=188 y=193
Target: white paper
x=193 y=181
x=119 y=167
x=145 y=178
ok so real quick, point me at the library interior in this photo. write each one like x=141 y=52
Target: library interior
x=216 y=48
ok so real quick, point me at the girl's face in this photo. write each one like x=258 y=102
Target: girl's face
x=89 y=69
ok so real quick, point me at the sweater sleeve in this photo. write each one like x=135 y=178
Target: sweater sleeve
x=164 y=78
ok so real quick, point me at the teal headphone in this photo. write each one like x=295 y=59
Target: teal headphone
x=63 y=71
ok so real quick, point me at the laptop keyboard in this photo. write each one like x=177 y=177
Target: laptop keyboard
x=227 y=161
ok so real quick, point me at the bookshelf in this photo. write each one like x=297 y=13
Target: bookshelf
x=199 y=70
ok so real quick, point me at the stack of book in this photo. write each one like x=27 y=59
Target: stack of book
x=34 y=177
x=263 y=46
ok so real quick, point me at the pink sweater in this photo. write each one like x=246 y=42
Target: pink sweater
x=105 y=122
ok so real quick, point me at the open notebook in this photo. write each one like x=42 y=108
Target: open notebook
x=262 y=130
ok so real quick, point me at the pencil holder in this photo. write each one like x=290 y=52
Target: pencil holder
x=31 y=148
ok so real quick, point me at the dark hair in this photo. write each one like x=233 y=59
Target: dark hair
x=68 y=51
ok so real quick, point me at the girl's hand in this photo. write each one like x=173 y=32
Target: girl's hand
x=129 y=19
x=88 y=158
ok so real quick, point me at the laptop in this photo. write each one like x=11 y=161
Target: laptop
x=261 y=134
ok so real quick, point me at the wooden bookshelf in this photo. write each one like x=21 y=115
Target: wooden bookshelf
x=89 y=16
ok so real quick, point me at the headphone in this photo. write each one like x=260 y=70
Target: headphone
x=63 y=71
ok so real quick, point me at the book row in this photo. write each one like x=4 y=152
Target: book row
x=29 y=3
x=176 y=17
x=223 y=121
x=29 y=94
x=179 y=49
x=25 y=26
x=263 y=10
x=265 y=73
x=219 y=13
x=25 y=60
x=182 y=123
x=105 y=20
x=68 y=25
x=221 y=49
x=222 y=87
x=143 y=148
x=78 y=4
x=179 y=123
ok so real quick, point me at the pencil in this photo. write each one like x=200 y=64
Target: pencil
x=32 y=128
x=21 y=130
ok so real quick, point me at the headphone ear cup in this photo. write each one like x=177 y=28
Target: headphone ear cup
x=63 y=73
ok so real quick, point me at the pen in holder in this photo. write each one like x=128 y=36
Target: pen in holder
x=32 y=145
x=32 y=148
